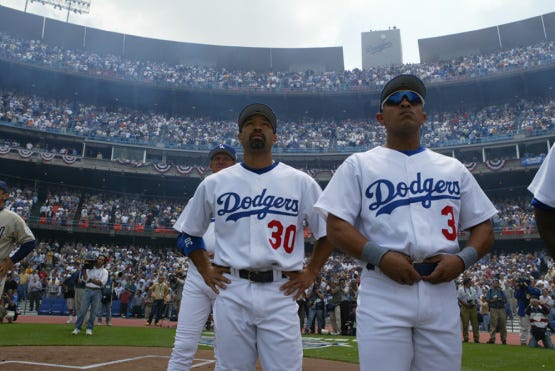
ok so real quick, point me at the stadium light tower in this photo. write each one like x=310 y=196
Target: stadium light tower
x=75 y=6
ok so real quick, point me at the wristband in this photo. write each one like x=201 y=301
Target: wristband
x=372 y=253
x=186 y=244
x=469 y=256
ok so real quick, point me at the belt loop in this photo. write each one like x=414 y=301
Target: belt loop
x=278 y=274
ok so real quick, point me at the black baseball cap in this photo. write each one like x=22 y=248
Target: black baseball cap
x=4 y=186
x=257 y=109
x=223 y=148
x=403 y=82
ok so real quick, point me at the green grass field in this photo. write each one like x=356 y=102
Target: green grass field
x=475 y=356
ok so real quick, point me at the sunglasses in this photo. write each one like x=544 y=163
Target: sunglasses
x=396 y=98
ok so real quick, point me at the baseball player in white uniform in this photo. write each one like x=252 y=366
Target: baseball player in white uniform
x=398 y=208
x=543 y=189
x=197 y=298
x=14 y=232
x=258 y=208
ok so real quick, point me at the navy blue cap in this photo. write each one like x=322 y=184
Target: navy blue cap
x=4 y=186
x=257 y=109
x=403 y=82
x=223 y=148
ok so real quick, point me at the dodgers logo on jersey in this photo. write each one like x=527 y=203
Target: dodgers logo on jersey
x=385 y=196
x=259 y=205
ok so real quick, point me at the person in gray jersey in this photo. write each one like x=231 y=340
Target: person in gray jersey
x=14 y=233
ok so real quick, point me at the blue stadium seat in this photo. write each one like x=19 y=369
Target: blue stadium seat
x=45 y=307
x=58 y=305
x=115 y=308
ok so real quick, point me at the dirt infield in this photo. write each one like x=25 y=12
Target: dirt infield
x=120 y=358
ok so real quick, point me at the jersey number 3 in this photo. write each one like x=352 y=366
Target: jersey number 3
x=282 y=236
x=451 y=232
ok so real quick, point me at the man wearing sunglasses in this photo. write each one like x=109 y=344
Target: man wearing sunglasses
x=398 y=208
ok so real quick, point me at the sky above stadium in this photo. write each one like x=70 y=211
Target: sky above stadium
x=294 y=23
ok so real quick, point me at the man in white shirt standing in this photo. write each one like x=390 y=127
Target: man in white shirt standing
x=95 y=278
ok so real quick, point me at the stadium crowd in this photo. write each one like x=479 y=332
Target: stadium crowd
x=87 y=208
x=492 y=123
x=109 y=66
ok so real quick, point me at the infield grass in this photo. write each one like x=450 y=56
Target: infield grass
x=476 y=357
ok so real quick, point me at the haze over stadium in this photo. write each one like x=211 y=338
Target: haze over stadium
x=291 y=24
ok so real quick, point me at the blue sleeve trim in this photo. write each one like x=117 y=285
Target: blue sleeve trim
x=186 y=244
x=23 y=251
x=541 y=205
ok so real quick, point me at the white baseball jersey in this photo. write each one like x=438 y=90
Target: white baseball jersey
x=258 y=216
x=13 y=232
x=415 y=205
x=411 y=204
x=543 y=184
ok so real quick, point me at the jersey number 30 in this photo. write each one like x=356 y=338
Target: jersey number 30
x=282 y=236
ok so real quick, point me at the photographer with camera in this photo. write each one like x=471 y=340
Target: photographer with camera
x=468 y=301
x=497 y=304
x=176 y=283
x=95 y=277
x=524 y=290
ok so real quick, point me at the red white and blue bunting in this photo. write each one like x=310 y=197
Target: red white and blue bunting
x=161 y=168
x=47 y=156
x=188 y=169
x=470 y=165
x=5 y=149
x=182 y=169
x=495 y=164
x=69 y=159
x=25 y=153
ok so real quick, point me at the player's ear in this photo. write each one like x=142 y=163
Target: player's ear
x=379 y=117
x=274 y=137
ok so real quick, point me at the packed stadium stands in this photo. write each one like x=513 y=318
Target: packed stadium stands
x=102 y=150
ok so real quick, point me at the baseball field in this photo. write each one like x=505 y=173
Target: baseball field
x=129 y=345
